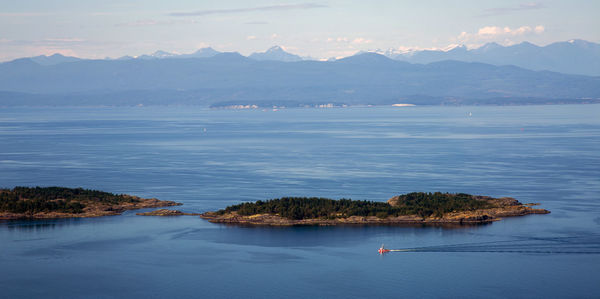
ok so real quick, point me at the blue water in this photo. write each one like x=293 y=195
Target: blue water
x=210 y=159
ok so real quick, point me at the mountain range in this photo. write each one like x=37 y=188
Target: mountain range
x=52 y=59
x=571 y=57
x=275 y=53
x=228 y=79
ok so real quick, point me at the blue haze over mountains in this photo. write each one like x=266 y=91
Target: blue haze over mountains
x=508 y=75
x=571 y=57
x=275 y=53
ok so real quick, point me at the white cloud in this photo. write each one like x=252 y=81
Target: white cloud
x=201 y=45
x=521 y=30
x=342 y=46
x=289 y=48
x=539 y=29
x=355 y=40
x=361 y=41
x=499 y=34
x=493 y=31
x=251 y=37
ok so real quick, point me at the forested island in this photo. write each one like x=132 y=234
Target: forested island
x=61 y=202
x=411 y=208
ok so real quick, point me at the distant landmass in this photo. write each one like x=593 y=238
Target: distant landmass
x=412 y=208
x=574 y=56
x=570 y=57
x=229 y=80
x=167 y=213
x=201 y=53
x=53 y=59
x=275 y=53
x=61 y=202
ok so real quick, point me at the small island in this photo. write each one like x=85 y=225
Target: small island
x=166 y=212
x=60 y=202
x=412 y=208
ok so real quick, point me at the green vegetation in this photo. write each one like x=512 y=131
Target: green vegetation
x=438 y=204
x=54 y=199
x=417 y=203
x=307 y=208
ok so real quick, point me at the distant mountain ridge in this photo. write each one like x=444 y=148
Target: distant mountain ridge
x=200 y=53
x=230 y=79
x=53 y=59
x=275 y=53
x=570 y=57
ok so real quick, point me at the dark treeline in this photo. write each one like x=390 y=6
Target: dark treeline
x=53 y=199
x=417 y=203
x=313 y=207
x=438 y=204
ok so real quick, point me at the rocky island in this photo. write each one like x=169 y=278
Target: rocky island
x=166 y=212
x=60 y=202
x=412 y=208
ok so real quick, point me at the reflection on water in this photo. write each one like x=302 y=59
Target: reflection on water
x=38 y=225
x=544 y=154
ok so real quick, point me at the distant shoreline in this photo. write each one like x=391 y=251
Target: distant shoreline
x=269 y=108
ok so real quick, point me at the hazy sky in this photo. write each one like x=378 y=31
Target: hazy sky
x=321 y=29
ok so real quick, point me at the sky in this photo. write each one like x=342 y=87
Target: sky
x=317 y=29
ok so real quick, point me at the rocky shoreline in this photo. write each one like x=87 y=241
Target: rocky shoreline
x=165 y=212
x=503 y=207
x=95 y=209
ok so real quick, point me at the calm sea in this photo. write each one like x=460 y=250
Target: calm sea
x=210 y=159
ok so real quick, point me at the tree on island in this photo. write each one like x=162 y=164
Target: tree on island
x=54 y=199
x=417 y=203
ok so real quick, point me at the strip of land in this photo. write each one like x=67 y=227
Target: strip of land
x=166 y=212
x=60 y=202
x=412 y=208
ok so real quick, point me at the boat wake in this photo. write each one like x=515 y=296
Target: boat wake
x=555 y=245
